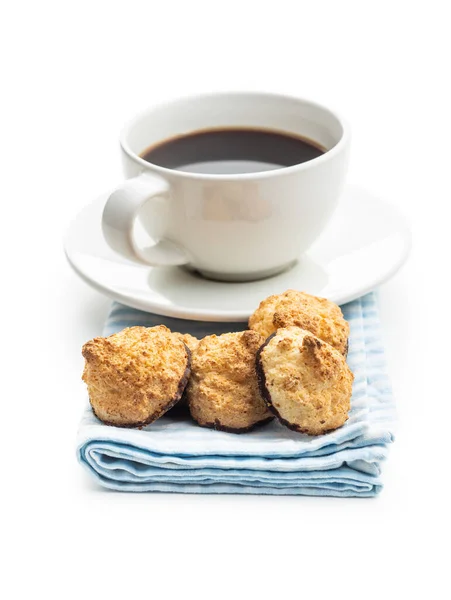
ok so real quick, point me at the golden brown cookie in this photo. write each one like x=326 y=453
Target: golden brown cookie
x=187 y=339
x=304 y=381
x=136 y=375
x=321 y=317
x=192 y=342
x=223 y=390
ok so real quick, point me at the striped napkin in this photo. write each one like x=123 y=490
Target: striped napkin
x=175 y=455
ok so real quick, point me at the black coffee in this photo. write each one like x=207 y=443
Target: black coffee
x=232 y=150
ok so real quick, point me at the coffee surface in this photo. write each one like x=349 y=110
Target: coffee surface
x=232 y=150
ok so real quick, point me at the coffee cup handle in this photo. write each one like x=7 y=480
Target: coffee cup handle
x=119 y=216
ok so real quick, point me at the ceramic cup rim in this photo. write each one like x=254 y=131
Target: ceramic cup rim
x=310 y=164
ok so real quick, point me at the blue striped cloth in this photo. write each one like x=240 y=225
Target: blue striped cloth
x=175 y=455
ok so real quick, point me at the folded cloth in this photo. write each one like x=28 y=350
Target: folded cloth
x=176 y=455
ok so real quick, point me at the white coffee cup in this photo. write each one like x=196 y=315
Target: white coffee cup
x=234 y=227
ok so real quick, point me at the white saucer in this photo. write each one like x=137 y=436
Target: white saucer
x=365 y=243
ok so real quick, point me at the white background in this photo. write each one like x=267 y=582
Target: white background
x=71 y=74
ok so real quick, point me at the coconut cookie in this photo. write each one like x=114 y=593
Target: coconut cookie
x=136 y=375
x=321 y=317
x=192 y=343
x=305 y=382
x=223 y=391
x=187 y=339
